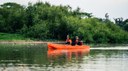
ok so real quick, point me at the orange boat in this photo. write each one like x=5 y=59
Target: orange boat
x=52 y=46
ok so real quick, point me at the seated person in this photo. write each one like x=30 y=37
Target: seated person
x=68 y=40
x=77 y=41
x=80 y=42
x=74 y=41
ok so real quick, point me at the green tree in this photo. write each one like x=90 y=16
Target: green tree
x=13 y=15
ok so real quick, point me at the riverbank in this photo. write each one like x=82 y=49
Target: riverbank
x=29 y=42
x=6 y=38
x=58 y=42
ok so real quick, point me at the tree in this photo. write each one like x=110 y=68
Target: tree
x=125 y=26
x=13 y=14
x=119 y=21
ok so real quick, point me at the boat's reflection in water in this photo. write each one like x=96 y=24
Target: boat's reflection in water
x=67 y=54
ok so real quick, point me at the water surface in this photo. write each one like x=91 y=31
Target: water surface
x=36 y=57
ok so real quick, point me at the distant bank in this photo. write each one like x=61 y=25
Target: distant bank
x=19 y=39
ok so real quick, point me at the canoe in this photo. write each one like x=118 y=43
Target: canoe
x=64 y=46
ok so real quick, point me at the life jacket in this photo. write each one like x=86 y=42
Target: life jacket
x=68 y=41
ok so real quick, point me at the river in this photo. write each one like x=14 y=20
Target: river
x=36 y=57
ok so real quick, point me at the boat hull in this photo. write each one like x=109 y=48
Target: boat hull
x=52 y=46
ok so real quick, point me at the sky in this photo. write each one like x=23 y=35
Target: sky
x=98 y=8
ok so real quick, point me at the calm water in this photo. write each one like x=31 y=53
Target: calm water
x=36 y=57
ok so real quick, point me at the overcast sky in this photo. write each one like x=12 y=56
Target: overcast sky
x=115 y=8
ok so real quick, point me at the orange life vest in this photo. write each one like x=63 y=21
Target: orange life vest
x=68 y=40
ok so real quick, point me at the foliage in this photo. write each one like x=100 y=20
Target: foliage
x=46 y=21
x=12 y=17
x=122 y=23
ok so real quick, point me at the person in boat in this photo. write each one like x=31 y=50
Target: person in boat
x=68 y=40
x=77 y=41
x=80 y=42
x=73 y=41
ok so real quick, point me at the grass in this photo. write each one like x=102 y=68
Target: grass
x=11 y=37
x=18 y=37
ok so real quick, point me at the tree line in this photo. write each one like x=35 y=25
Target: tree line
x=46 y=21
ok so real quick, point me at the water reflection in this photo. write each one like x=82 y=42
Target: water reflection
x=107 y=60
x=66 y=55
x=22 y=57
